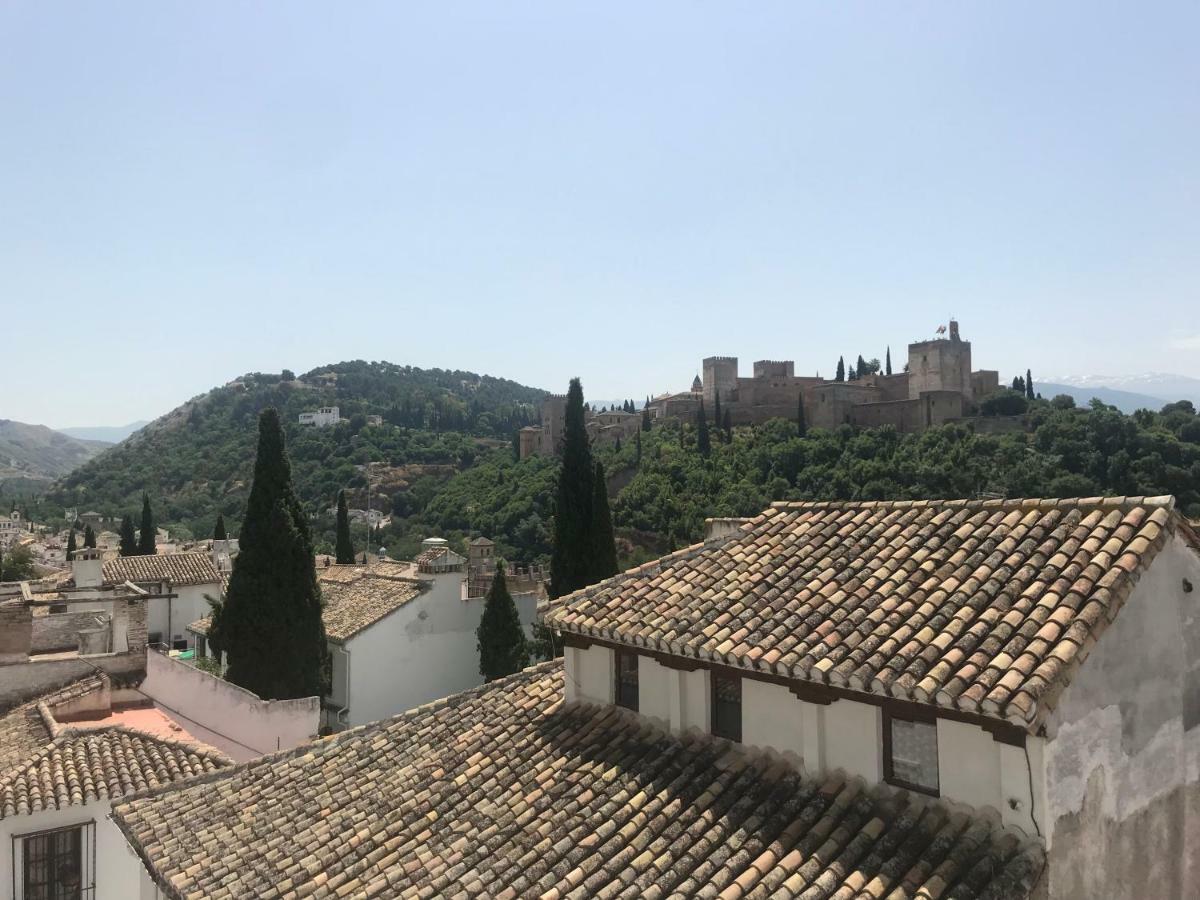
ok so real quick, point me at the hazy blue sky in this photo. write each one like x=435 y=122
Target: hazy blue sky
x=610 y=190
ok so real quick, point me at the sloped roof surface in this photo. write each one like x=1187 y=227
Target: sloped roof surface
x=191 y=567
x=982 y=606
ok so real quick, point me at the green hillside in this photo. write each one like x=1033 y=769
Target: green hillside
x=196 y=461
x=30 y=454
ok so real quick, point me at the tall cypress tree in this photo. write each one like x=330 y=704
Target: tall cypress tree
x=269 y=625
x=860 y=367
x=637 y=439
x=1028 y=384
x=646 y=419
x=727 y=425
x=89 y=537
x=146 y=543
x=801 y=422
x=841 y=370
x=219 y=531
x=129 y=543
x=717 y=414
x=344 y=548
x=703 y=444
x=604 y=548
x=500 y=638
x=888 y=360
x=569 y=569
x=71 y=548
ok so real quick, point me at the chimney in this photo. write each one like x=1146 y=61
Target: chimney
x=86 y=568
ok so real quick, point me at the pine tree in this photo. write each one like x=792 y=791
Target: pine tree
x=269 y=625
x=500 y=637
x=71 y=544
x=89 y=537
x=646 y=419
x=888 y=361
x=717 y=414
x=569 y=567
x=129 y=543
x=603 y=553
x=219 y=531
x=1028 y=384
x=801 y=422
x=344 y=547
x=703 y=444
x=146 y=544
x=841 y=370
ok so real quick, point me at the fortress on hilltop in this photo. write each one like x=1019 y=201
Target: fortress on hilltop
x=936 y=386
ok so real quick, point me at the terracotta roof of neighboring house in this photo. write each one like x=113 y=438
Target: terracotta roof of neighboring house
x=79 y=766
x=354 y=597
x=500 y=791
x=192 y=567
x=431 y=555
x=349 y=607
x=344 y=574
x=985 y=606
x=482 y=542
x=23 y=729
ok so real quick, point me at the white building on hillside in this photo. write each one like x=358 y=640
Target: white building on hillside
x=324 y=416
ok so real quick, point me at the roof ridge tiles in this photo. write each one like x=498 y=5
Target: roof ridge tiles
x=1165 y=501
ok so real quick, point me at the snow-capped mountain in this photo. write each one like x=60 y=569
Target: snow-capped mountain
x=1161 y=385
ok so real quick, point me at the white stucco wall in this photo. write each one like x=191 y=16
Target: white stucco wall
x=654 y=691
x=1122 y=755
x=118 y=873
x=236 y=721
x=171 y=616
x=772 y=718
x=695 y=701
x=424 y=651
x=593 y=674
x=854 y=739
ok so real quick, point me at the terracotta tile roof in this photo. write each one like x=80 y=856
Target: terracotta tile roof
x=191 y=567
x=501 y=792
x=985 y=606
x=354 y=597
x=431 y=555
x=24 y=730
x=349 y=607
x=79 y=766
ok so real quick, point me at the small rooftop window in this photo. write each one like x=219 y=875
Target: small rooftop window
x=910 y=753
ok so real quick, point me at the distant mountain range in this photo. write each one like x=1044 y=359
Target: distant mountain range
x=1127 y=393
x=35 y=453
x=112 y=434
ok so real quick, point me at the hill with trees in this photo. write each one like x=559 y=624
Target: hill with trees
x=195 y=462
x=33 y=455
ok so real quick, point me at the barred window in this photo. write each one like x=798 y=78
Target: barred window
x=55 y=865
x=727 y=706
x=627 y=680
x=912 y=754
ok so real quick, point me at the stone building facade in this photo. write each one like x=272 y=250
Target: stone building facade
x=604 y=428
x=937 y=386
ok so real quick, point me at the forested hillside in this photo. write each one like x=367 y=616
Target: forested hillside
x=32 y=455
x=443 y=464
x=195 y=462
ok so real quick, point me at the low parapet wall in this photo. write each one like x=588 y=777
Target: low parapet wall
x=229 y=711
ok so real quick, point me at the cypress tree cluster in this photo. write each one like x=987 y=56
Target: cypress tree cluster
x=146 y=543
x=129 y=542
x=344 y=548
x=500 y=638
x=269 y=625
x=841 y=370
x=580 y=521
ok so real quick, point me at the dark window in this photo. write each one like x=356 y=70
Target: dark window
x=727 y=706
x=910 y=754
x=52 y=865
x=627 y=680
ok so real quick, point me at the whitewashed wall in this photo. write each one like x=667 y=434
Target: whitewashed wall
x=171 y=616
x=118 y=872
x=234 y=720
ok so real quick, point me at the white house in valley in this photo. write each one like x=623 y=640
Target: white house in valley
x=322 y=417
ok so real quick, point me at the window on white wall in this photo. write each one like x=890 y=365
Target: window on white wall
x=56 y=865
x=727 y=706
x=910 y=753
x=627 y=680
